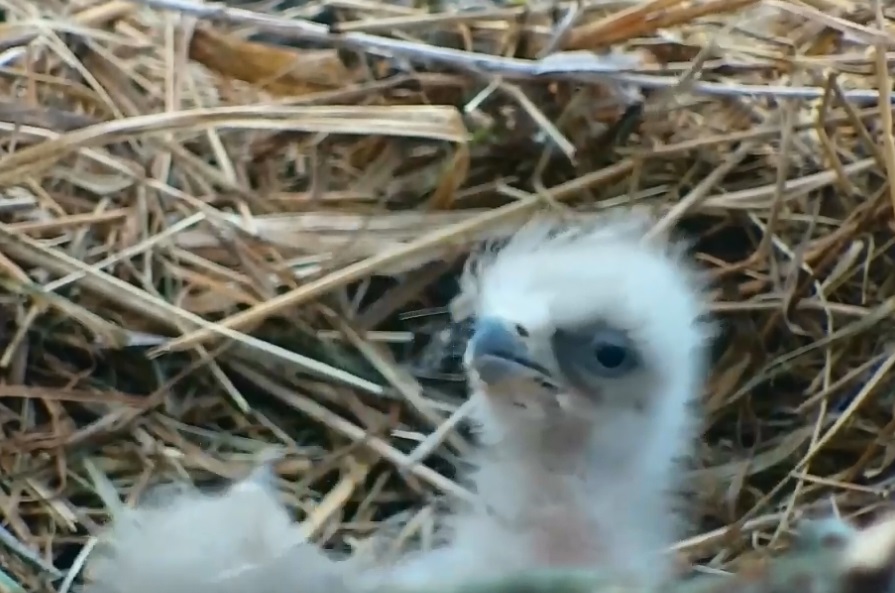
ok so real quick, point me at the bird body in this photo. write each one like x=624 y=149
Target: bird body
x=586 y=360
x=585 y=363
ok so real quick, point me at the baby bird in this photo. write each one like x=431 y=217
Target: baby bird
x=587 y=358
x=585 y=364
x=186 y=541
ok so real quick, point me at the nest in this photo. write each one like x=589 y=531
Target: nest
x=231 y=228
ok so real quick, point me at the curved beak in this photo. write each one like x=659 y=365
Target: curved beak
x=497 y=352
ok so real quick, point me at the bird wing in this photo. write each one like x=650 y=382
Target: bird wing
x=186 y=541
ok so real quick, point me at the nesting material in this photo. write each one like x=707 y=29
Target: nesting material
x=230 y=224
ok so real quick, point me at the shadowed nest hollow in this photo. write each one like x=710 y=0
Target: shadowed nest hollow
x=312 y=177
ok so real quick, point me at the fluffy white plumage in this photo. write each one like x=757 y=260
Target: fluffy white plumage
x=187 y=541
x=586 y=362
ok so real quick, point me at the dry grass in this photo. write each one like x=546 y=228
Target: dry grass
x=166 y=183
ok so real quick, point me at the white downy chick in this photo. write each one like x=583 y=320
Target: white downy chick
x=587 y=359
x=186 y=541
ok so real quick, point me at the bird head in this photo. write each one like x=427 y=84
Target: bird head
x=583 y=323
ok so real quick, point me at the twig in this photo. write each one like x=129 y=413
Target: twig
x=580 y=66
x=10 y=541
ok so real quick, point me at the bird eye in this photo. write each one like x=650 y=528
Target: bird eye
x=613 y=353
x=597 y=352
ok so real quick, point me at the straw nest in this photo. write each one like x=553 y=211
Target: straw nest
x=311 y=175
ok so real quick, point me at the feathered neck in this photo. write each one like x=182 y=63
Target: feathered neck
x=559 y=443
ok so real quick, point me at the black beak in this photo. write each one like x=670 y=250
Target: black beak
x=497 y=352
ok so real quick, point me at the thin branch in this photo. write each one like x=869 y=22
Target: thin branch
x=581 y=66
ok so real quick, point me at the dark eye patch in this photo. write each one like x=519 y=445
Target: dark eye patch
x=595 y=352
